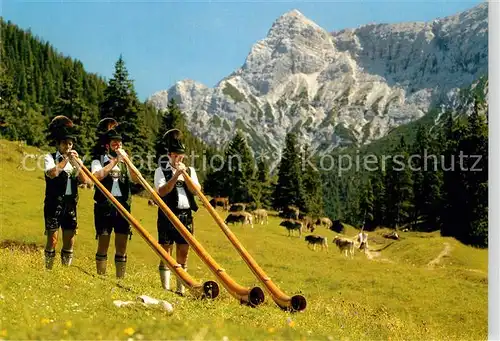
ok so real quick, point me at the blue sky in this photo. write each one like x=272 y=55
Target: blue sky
x=164 y=42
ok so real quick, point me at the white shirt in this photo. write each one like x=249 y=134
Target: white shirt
x=50 y=163
x=115 y=173
x=183 y=202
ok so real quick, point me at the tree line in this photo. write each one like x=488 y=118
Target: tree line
x=242 y=178
x=443 y=184
x=37 y=83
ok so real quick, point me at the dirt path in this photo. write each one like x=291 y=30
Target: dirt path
x=444 y=253
x=376 y=255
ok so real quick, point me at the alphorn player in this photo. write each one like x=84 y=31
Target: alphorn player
x=171 y=187
x=109 y=168
x=61 y=191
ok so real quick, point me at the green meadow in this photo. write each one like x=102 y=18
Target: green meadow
x=422 y=287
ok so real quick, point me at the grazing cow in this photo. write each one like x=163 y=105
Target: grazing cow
x=151 y=203
x=392 y=235
x=292 y=225
x=260 y=215
x=314 y=240
x=308 y=223
x=344 y=245
x=240 y=217
x=239 y=207
x=290 y=212
x=218 y=201
x=337 y=227
x=326 y=222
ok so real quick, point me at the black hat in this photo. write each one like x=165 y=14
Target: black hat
x=173 y=141
x=61 y=128
x=111 y=134
x=107 y=130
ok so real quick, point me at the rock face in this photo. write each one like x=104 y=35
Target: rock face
x=334 y=89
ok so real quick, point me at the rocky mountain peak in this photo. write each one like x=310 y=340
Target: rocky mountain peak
x=335 y=89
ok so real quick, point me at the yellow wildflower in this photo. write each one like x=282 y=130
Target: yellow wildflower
x=68 y=324
x=129 y=331
x=45 y=321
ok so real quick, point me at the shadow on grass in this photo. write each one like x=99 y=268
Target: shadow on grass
x=382 y=249
x=15 y=245
x=106 y=279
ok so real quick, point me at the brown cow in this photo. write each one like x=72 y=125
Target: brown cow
x=344 y=245
x=308 y=223
x=220 y=201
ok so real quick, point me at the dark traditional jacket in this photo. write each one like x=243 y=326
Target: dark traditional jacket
x=172 y=198
x=55 y=188
x=123 y=182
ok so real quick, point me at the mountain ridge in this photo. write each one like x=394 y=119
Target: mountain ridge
x=337 y=88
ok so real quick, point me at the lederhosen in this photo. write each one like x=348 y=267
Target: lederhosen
x=106 y=216
x=60 y=209
x=167 y=233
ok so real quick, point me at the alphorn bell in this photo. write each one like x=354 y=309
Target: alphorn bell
x=294 y=303
x=208 y=289
x=251 y=296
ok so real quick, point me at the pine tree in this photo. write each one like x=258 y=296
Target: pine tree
x=465 y=214
x=289 y=190
x=240 y=170
x=353 y=197
x=216 y=178
x=170 y=119
x=399 y=187
x=426 y=181
x=8 y=106
x=34 y=132
x=312 y=187
x=121 y=103
x=454 y=208
x=263 y=188
x=379 y=197
x=71 y=104
x=367 y=207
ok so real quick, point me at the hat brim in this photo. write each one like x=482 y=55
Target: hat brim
x=176 y=151
x=114 y=137
x=66 y=137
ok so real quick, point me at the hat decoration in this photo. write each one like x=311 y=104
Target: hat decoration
x=173 y=141
x=61 y=128
x=108 y=129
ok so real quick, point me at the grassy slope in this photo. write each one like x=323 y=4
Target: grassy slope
x=395 y=295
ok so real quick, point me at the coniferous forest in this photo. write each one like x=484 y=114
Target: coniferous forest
x=447 y=193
